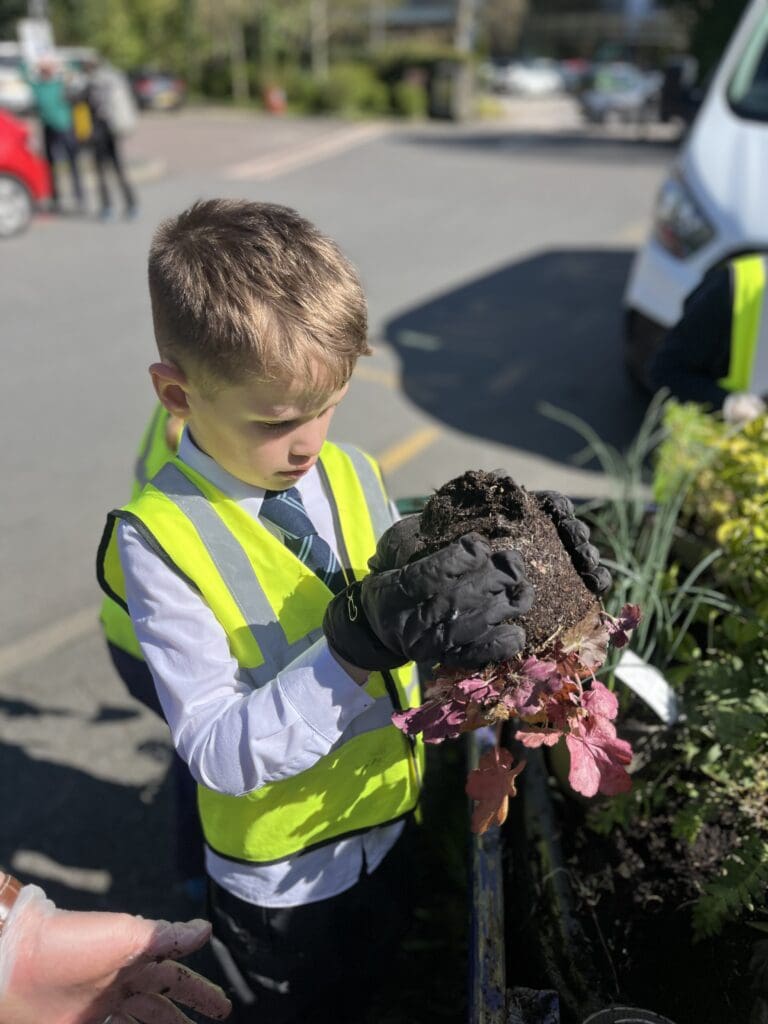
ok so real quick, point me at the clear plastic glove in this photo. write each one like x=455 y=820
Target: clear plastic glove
x=742 y=407
x=66 y=967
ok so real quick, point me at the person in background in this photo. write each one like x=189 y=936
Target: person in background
x=717 y=353
x=113 y=115
x=55 y=113
x=67 y=967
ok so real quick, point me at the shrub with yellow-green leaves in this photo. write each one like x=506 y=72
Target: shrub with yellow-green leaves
x=724 y=470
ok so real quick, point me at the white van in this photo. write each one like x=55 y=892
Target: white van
x=714 y=203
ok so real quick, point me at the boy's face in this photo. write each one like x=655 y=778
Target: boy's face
x=267 y=435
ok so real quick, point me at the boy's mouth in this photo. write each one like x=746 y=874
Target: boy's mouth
x=294 y=474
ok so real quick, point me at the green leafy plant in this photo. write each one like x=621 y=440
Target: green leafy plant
x=695 y=559
x=640 y=541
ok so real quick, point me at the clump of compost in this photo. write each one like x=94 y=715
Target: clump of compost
x=510 y=517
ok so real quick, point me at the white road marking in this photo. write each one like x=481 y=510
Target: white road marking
x=42 y=642
x=273 y=164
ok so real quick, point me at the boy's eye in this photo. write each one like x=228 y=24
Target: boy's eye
x=279 y=425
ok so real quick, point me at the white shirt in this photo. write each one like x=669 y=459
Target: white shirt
x=236 y=739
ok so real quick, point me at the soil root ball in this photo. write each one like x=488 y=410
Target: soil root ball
x=510 y=517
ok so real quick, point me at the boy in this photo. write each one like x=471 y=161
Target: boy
x=279 y=694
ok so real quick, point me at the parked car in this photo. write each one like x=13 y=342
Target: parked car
x=25 y=178
x=538 y=77
x=712 y=205
x=15 y=93
x=158 y=90
x=621 y=92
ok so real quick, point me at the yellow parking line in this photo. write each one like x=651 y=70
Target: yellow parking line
x=407 y=448
x=377 y=375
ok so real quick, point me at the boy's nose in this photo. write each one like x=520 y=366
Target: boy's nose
x=306 y=444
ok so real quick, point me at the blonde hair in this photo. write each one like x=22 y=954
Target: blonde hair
x=244 y=290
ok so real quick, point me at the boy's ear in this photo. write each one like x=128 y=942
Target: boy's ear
x=170 y=384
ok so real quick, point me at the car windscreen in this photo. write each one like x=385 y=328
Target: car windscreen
x=748 y=89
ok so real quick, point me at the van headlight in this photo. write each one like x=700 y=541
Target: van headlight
x=680 y=225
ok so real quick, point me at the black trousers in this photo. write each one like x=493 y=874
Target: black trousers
x=106 y=153
x=57 y=145
x=319 y=963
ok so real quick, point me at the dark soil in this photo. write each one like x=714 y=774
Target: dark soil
x=510 y=517
x=611 y=922
x=633 y=893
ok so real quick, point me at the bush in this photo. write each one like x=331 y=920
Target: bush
x=215 y=81
x=352 y=89
x=409 y=99
x=301 y=89
x=727 y=503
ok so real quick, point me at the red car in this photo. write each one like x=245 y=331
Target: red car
x=25 y=178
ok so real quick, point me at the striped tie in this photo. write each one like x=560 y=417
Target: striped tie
x=285 y=510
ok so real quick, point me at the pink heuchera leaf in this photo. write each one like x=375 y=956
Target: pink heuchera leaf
x=491 y=784
x=538 y=671
x=536 y=680
x=620 y=629
x=475 y=689
x=539 y=737
x=445 y=715
x=599 y=700
x=598 y=758
x=436 y=721
x=593 y=650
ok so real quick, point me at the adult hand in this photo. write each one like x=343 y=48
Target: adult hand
x=66 y=967
x=452 y=606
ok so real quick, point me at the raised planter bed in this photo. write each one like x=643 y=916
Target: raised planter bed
x=605 y=920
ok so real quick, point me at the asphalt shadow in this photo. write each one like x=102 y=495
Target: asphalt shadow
x=482 y=358
x=116 y=837
x=629 y=144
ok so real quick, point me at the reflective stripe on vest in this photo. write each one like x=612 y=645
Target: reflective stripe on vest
x=748 y=366
x=251 y=582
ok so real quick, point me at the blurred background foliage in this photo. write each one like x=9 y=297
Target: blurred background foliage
x=325 y=54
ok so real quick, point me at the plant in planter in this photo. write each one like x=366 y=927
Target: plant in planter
x=545 y=688
x=668 y=881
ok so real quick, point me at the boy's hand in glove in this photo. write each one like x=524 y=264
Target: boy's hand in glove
x=449 y=606
x=574 y=534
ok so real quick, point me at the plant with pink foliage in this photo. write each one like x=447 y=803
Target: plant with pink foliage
x=552 y=696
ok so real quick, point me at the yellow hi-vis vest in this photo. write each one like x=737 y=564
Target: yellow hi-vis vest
x=153 y=455
x=748 y=367
x=271 y=607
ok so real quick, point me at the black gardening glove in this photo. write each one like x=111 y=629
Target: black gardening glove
x=397 y=545
x=574 y=534
x=450 y=606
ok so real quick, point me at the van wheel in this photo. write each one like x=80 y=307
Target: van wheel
x=15 y=206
